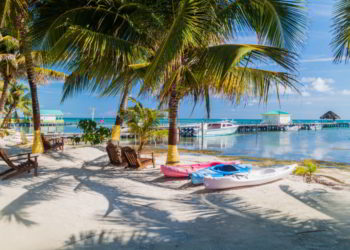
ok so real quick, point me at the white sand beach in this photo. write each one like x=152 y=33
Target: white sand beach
x=79 y=201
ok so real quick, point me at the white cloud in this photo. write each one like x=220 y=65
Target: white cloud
x=283 y=90
x=316 y=60
x=305 y=93
x=319 y=84
x=308 y=103
x=345 y=92
x=253 y=102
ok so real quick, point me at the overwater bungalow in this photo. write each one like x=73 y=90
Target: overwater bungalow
x=276 y=117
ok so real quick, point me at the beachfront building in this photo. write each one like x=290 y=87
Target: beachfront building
x=276 y=117
x=51 y=116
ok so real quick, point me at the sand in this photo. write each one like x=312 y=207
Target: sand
x=79 y=201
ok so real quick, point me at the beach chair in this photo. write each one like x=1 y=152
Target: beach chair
x=134 y=161
x=19 y=165
x=52 y=143
x=115 y=155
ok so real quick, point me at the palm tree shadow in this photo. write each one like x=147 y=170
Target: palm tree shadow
x=327 y=203
x=35 y=194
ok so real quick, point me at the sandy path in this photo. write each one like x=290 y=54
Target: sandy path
x=81 y=202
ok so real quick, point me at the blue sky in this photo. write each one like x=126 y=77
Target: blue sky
x=326 y=86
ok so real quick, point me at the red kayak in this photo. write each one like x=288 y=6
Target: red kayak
x=184 y=170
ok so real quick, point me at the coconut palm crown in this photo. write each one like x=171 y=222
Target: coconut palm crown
x=184 y=47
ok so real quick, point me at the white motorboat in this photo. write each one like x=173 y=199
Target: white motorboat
x=316 y=127
x=255 y=177
x=216 y=129
x=292 y=128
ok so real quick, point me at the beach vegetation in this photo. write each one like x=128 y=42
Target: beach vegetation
x=92 y=133
x=307 y=170
x=18 y=101
x=143 y=123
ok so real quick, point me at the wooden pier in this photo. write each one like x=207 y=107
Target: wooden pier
x=187 y=131
x=248 y=128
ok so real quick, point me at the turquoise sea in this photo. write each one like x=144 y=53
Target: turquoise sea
x=331 y=144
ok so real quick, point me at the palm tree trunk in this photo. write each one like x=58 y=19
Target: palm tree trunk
x=7 y=118
x=26 y=47
x=120 y=115
x=173 y=157
x=4 y=94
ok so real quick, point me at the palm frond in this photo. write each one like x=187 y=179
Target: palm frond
x=341 y=31
x=280 y=23
x=218 y=60
x=192 y=19
x=245 y=81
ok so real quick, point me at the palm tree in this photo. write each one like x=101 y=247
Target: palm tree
x=144 y=122
x=16 y=14
x=194 y=58
x=341 y=28
x=12 y=66
x=183 y=44
x=8 y=48
x=94 y=69
x=18 y=100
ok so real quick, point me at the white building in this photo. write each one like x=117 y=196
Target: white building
x=51 y=116
x=276 y=117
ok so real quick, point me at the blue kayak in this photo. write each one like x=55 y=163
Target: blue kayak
x=219 y=171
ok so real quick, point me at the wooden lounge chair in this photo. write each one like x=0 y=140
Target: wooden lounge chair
x=115 y=155
x=52 y=143
x=134 y=161
x=25 y=164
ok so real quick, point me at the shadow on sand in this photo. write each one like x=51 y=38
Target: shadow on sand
x=214 y=220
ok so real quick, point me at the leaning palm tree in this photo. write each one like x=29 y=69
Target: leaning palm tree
x=185 y=45
x=17 y=13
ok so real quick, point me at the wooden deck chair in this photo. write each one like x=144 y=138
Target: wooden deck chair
x=134 y=161
x=52 y=143
x=25 y=164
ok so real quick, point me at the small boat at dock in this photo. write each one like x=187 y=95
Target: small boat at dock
x=253 y=178
x=292 y=128
x=216 y=129
x=316 y=127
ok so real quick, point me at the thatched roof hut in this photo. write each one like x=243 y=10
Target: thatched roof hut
x=330 y=116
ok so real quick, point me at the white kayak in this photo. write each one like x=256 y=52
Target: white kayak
x=255 y=177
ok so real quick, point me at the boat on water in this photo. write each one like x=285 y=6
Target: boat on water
x=253 y=178
x=182 y=171
x=219 y=171
x=216 y=129
x=292 y=128
x=316 y=127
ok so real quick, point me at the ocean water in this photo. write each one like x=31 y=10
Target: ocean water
x=330 y=144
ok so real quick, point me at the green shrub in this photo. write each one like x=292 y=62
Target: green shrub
x=307 y=170
x=93 y=134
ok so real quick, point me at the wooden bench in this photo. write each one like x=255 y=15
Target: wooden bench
x=27 y=162
x=54 y=143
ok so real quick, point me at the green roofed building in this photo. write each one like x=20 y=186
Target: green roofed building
x=276 y=117
x=51 y=116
